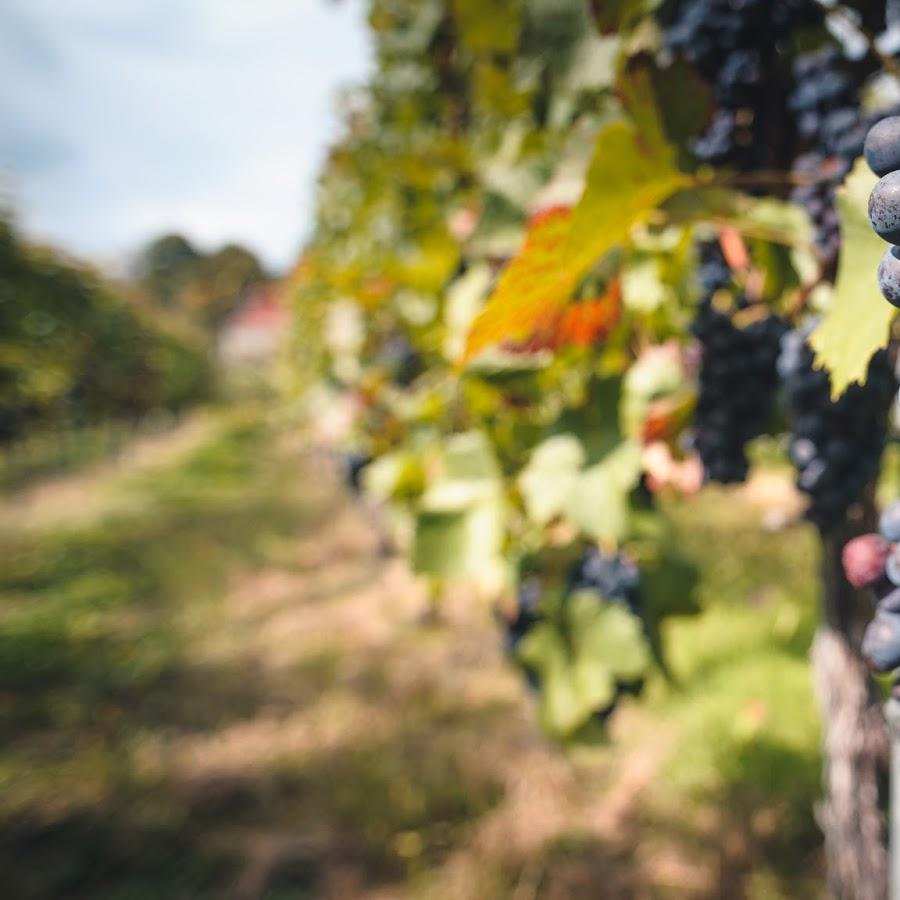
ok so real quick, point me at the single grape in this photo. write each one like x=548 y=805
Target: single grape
x=882 y=147
x=864 y=559
x=892 y=566
x=889 y=276
x=889 y=522
x=354 y=465
x=527 y=614
x=884 y=207
x=881 y=642
x=890 y=601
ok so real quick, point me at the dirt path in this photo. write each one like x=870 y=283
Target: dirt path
x=307 y=735
x=92 y=492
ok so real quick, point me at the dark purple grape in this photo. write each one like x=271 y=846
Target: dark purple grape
x=890 y=601
x=738 y=377
x=884 y=208
x=881 y=642
x=836 y=444
x=889 y=276
x=527 y=614
x=889 y=522
x=611 y=575
x=354 y=466
x=892 y=566
x=882 y=147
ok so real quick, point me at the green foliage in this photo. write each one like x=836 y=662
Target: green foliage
x=580 y=657
x=548 y=249
x=74 y=353
x=204 y=286
x=857 y=323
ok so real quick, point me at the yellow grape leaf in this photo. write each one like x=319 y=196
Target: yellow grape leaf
x=858 y=321
x=489 y=26
x=630 y=174
x=632 y=171
x=531 y=288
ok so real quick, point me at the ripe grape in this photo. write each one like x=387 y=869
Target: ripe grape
x=837 y=444
x=864 y=558
x=736 y=49
x=737 y=378
x=884 y=207
x=889 y=522
x=890 y=601
x=881 y=642
x=882 y=146
x=354 y=465
x=527 y=613
x=892 y=567
x=613 y=576
x=889 y=275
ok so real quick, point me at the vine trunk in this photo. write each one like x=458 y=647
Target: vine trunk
x=855 y=745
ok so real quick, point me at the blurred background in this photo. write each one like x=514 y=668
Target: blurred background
x=219 y=676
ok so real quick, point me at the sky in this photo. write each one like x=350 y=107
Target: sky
x=124 y=119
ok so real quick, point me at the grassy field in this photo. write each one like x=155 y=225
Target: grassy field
x=212 y=686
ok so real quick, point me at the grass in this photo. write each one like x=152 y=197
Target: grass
x=219 y=690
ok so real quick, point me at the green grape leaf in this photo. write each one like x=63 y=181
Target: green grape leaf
x=550 y=476
x=599 y=503
x=579 y=661
x=858 y=321
x=464 y=298
x=393 y=475
x=470 y=455
x=632 y=171
x=615 y=16
x=609 y=633
x=756 y=217
x=461 y=543
x=643 y=289
x=459 y=526
x=685 y=100
x=593 y=66
x=488 y=26
x=440 y=547
x=595 y=421
x=563 y=705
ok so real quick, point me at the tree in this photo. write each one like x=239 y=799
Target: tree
x=74 y=352
x=204 y=286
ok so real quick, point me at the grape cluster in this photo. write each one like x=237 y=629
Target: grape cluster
x=873 y=561
x=613 y=577
x=737 y=378
x=836 y=445
x=825 y=103
x=882 y=149
x=733 y=45
x=354 y=465
x=402 y=360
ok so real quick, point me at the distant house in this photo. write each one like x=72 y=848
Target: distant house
x=254 y=331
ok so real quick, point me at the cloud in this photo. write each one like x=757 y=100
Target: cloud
x=209 y=117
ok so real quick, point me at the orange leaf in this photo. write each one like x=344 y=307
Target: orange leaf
x=592 y=320
x=531 y=288
x=583 y=323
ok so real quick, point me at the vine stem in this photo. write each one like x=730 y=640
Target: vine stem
x=892 y=716
x=758 y=179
